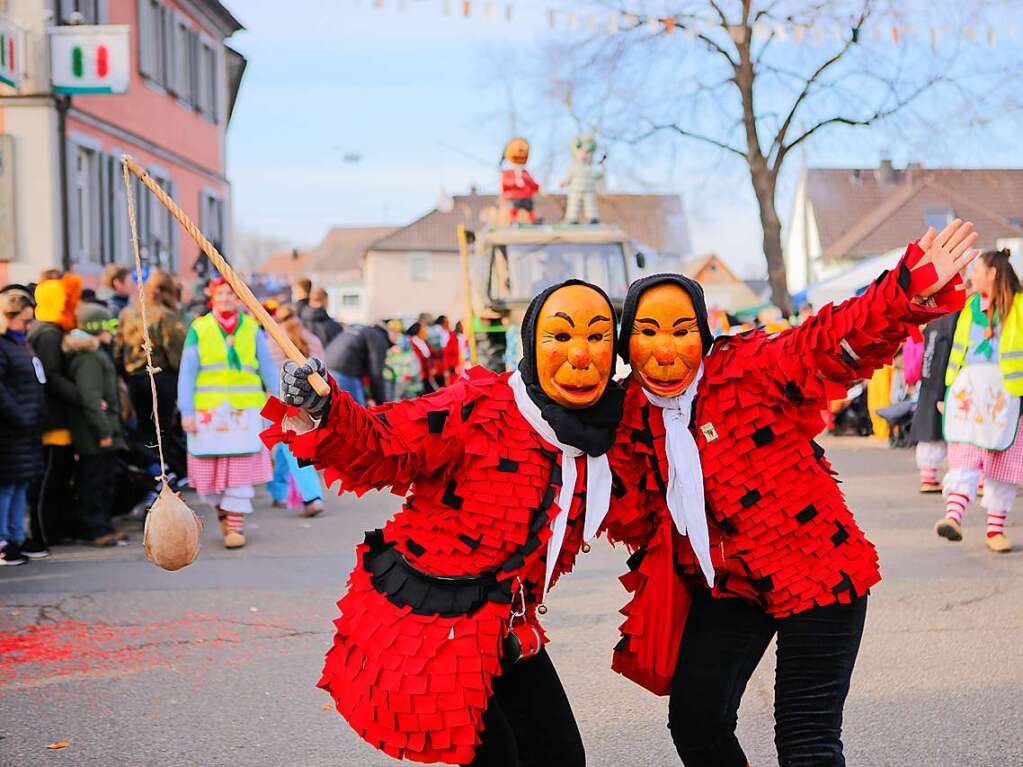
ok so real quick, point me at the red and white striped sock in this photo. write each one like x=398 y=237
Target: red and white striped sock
x=955 y=505
x=928 y=476
x=996 y=522
x=235 y=521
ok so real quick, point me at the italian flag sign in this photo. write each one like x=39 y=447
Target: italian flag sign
x=10 y=54
x=90 y=59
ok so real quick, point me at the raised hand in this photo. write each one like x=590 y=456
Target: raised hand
x=298 y=392
x=948 y=251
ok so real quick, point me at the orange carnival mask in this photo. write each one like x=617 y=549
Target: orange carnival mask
x=665 y=345
x=574 y=346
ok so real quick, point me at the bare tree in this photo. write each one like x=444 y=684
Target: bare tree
x=726 y=74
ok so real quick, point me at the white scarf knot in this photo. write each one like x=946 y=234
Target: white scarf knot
x=598 y=479
x=685 y=474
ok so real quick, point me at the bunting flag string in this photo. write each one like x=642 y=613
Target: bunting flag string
x=878 y=32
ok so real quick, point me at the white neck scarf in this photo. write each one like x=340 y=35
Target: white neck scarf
x=421 y=345
x=445 y=336
x=598 y=479
x=685 y=475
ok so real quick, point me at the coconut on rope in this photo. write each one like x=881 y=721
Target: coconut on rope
x=173 y=531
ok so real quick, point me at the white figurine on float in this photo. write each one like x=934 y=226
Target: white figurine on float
x=582 y=181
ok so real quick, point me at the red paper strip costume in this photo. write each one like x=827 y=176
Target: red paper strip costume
x=781 y=535
x=431 y=598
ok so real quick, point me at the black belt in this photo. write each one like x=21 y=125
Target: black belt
x=451 y=596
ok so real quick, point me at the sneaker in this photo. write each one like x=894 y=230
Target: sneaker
x=999 y=543
x=34 y=550
x=11 y=555
x=930 y=487
x=311 y=508
x=949 y=529
x=101 y=541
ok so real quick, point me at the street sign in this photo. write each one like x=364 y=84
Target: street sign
x=10 y=54
x=90 y=59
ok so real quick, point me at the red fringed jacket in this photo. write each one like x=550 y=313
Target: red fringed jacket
x=418 y=642
x=781 y=534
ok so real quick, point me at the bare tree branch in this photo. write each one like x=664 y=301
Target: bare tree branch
x=654 y=129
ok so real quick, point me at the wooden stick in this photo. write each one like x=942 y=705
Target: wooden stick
x=470 y=324
x=237 y=285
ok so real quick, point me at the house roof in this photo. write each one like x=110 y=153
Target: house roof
x=708 y=268
x=859 y=215
x=224 y=16
x=654 y=220
x=341 y=250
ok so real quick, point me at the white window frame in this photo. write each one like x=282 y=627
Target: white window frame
x=86 y=206
x=419 y=266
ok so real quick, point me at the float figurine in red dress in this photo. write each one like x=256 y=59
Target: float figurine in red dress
x=517 y=187
x=504 y=478
x=733 y=422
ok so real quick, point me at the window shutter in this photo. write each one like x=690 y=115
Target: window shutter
x=103 y=206
x=173 y=232
x=167 y=36
x=121 y=237
x=144 y=39
x=194 y=71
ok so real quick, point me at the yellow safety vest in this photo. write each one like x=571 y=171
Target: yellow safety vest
x=217 y=382
x=1010 y=346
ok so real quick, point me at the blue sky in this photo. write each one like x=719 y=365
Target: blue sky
x=413 y=93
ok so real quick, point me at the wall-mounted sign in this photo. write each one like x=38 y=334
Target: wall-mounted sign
x=10 y=54
x=90 y=59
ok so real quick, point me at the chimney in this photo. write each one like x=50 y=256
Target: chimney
x=886 y=171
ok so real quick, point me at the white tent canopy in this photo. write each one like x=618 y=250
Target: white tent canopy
x=849 y=282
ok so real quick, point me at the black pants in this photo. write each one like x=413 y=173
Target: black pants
x=174 y=451
x=50 y=505
x=529 y=721
x=724 y=641
x=94 y=479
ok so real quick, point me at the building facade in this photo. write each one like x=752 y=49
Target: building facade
x=62 y=152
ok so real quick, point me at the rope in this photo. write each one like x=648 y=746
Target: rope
x=252 y=303
x=147 y=344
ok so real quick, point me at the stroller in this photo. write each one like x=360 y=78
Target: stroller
x=899 y=417
x=852 y=416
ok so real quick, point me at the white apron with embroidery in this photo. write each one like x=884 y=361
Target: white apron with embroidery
x=978 y=409
x=226 y=431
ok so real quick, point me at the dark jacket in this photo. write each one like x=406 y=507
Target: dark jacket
x=95 y=376
x=22 y=409
x=47 y=339
x=927 y=421
x=360 y=351
x=320 y=324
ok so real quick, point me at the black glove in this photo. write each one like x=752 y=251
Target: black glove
x=298 y=392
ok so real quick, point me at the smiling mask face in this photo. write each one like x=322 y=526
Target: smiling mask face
x=665 y=347
x=574 y=348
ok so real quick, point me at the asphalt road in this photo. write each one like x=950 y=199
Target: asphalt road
x=217 y=664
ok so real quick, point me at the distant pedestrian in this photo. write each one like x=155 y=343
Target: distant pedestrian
x=287 y=472
x=226 y=370
x=360 y=352
x=926 y=430
x=167 y=335
x=22 y=402
x=96 y=429
x=315 y=317
x=985 y=380
x=117 y=287
x=50 y=499
x=301 y=287
x=463 y=349
x=428 y=377
x=448 y=348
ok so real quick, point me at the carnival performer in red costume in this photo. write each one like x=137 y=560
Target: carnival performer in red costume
x=773 y=549
x=505 y=477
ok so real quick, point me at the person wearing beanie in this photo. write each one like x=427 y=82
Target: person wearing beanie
x=506 y=477
x=21 y=414
x=96 y=430
x=50 y=498
x=720 y=435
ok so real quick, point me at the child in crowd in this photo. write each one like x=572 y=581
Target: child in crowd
x=96 y=431
x=21 y=414
x=985 y=380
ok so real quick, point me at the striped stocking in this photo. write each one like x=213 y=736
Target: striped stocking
x=234 y=521
x=928 y=476
x=996 y=522
x=955 y=505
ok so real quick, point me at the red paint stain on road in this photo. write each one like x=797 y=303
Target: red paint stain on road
x=42 y=652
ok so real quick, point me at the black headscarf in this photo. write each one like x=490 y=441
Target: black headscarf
x=591 y=429
x=639 y=287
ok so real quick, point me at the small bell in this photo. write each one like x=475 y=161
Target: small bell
x=541 y=609
x=586 y=548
